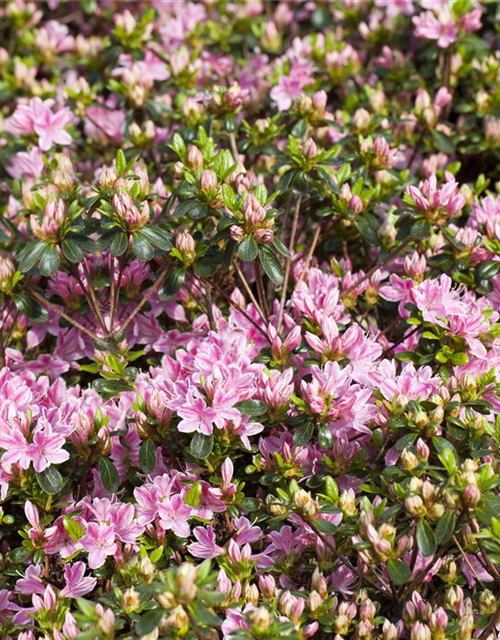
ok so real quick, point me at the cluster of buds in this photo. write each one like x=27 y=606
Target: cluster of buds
x=378 y=154
x=305 y=503
x=88 y=438
x=436 y=206
x=186 y=246
x=471 y=495
x=228 y=100
x=314 y=108
x=384 y=545
x=282 y=349
x=429 y=111
x=255 y=222
x=182 y=587
x=348 y=203
x=7 y=271
x=63 y=177
x=127 y=213
x=423 y=621
x=422 y=500
x=426 y=422
x=412 y=461
x=53 y=222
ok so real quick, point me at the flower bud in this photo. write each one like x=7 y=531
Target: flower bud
x=208 y=180
x=261 y=619
x=195 y=157
x=420 y=631
x=130 y=600
x=472 y=495
x=7 y=270
x=108 y=178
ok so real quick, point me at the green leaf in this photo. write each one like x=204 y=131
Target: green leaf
x=109 y=475
x=50 y=261
x=398 y=571
x=73 y=528
x=71 y=250
x=149 y=621
x=247 y=249
x=443 y=142
x=142 y=247
x=193 y=496
x=488 y=270
x=281 y=248
x=158 y=237
x=119 y=244
x=325 y=437
x=303 y=434
x=445 y=527
x=50 y=480
x=325 y=526
x=147 y=456
x=173 y=283
x=271 y=264
x=420 y=229
x=201 y=445
x=29 y=307
x=30 y=255
x=252 y=407
x=426 y=540
x=121 y=162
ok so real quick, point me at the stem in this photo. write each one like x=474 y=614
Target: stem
x=242 y=311
x=52 y=307
x=288 y=264
x=152 y=289
x=467 y=562
x=97 y=306
x=396 y=344
x=234 y=147
x=196 y=628
x=310 y=254
x=249 y=290
x=88 y=298
x=389 y=258
x=260 y=290
x=115 y=294
x=209 y=305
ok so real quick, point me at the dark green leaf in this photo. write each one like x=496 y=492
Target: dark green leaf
x=173 y=283
x=398 y=571
x=247 y=249
x=252 y=407
x=445 y=527
x=426 y=540
x=149 y=621
x=142 y=247
x=443 y=142
x=147 y=456
x=109 y=475
x=50 y=480
x=281 y=247
x=119 y=244
x=271 y=264
x=71 y=250
x=303 y=434
x=201 y=445
x=121 y=162
x=30 y=255
x=325 y=437
x=29 y=307
x=158 y=237
x=50 y=261
x=325 y=526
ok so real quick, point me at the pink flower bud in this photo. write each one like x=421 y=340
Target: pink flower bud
x=356 y=204
x=472 y=495
x=310 y=149
x=195 y=157
x=236 y=233
x=265 y=236
x=320 y=99
x=208 y=180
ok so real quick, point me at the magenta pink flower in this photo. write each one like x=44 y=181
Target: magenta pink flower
x=174 y=514
x=46 y=448
x=76 y=584
x=99 y=542
x=206 y=546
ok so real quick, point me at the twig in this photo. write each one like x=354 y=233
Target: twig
x=396 y=344
x=94 y=299
x=234 y=148
x=288 y=266
x=52 y=307
x=242 y=311
x=389 y=258
x=260 y=290
x=249 y=290
x=115 y=294
x=491 y=625
x=209 y=305
x=467 y=561
x=154 y=287
x=310 y=253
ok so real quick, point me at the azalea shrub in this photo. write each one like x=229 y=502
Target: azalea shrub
x=249 y=320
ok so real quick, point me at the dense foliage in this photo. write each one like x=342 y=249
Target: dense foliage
x=249 y=320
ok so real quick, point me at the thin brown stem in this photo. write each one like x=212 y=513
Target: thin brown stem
x=248 y=289
x=95 y=301
x=387 y=260
x=115 y=294
x=52 y=307
x=234 y=147
x=152 y=289
x=209 y=305
x=310 y=254
x=261 y=291
x=242 y=311
x=288 y=266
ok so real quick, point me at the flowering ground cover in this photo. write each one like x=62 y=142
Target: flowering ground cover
x=249 y=320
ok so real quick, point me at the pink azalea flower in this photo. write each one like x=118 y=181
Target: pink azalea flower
x=99 y=542
x=206 y=546
x=46 y=448
x=76 y=584
x=174 y=514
